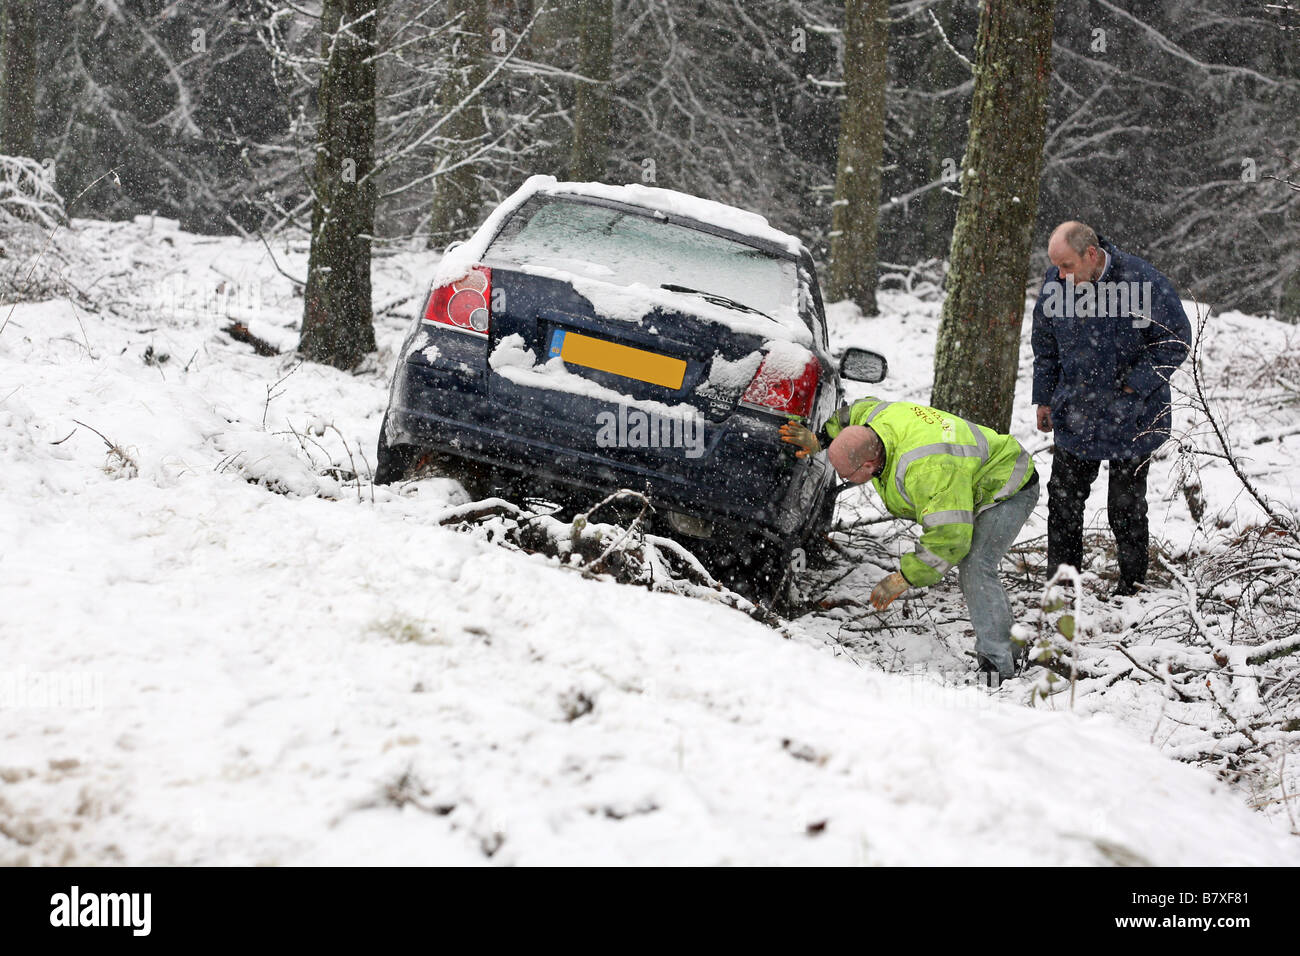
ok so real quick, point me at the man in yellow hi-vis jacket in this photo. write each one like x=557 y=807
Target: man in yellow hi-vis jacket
x=970 y=488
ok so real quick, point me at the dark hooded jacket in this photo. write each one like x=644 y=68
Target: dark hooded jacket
x=1092 y=339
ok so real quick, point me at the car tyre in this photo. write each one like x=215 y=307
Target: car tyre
x=818 y=539
x=392 y=462
x=762 y=576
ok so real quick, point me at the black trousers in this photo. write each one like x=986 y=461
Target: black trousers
x=1126 y=502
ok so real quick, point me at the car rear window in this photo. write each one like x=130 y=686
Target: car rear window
x=613 y=245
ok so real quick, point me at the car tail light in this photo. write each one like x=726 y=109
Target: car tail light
x=463 y=304
x=776 y=389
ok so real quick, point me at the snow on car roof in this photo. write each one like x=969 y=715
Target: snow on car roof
x=718 y=214
x=632 y=302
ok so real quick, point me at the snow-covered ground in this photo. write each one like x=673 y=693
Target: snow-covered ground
x=217 y=648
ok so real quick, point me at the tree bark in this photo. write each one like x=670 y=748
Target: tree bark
x=944 y=126
x=456 y=195
x=591 y=111
x=978 y=350
x=1288 y=303
x=861 y=152
x=554 y=41
x=18 y=80
x=337 y=323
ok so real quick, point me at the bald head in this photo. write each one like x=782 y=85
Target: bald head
x=1077 y=235
x=856 y=453
x=1075 y=251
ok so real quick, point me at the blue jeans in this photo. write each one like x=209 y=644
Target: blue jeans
x=990 y=611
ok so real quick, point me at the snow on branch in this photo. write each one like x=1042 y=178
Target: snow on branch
x=948 y=43
x=1173 y=49
x=27 y=192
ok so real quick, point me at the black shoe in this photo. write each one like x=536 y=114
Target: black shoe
x=987 y=674
x=1127 y=589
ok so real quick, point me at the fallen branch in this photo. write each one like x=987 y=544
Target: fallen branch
x=239 y=332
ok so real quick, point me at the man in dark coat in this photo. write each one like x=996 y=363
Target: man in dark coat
x=1109 y=331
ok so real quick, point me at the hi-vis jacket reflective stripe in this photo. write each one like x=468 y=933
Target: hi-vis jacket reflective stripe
x=940 y=471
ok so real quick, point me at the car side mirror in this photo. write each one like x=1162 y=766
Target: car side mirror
x=453 y=245
x=863 y=365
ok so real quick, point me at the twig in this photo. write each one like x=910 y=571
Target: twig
x=582 y=520
x=82 y=325
x=370 y=472
x=1192 y=600
x=275 y=262
x=1163 y=680
x=270 y=392
x=123 y=456
x=110 y=444
x=1219 y=435
x=351 y=461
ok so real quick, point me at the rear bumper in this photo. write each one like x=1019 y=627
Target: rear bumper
x=746 y=481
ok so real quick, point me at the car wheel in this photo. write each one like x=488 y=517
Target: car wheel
x=392 y=462
x=818 y=538
x=762 y=576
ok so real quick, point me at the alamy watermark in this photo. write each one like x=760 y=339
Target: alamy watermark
x=944 y=688
x=178 y=297
x=74 y=908
x=632 y=427
x=1086 y=300
x=53 y=690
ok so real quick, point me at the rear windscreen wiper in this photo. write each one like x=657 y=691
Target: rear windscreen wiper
x=717 y=299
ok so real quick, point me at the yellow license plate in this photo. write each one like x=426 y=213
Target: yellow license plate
x=618 y=359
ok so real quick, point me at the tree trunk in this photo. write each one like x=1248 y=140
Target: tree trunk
x=1288 y=303
x=944 y=125
x=591 y=111
x=18 y=81
x=456 y=194
x=978 y=351
x=861 y=151
x=554 y=37
x=554 y=41
x=337 y=324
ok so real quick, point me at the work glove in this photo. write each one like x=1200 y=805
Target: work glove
x=793 y=433
x=888 y=589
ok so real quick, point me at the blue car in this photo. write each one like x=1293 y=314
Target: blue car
x=589 y=338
